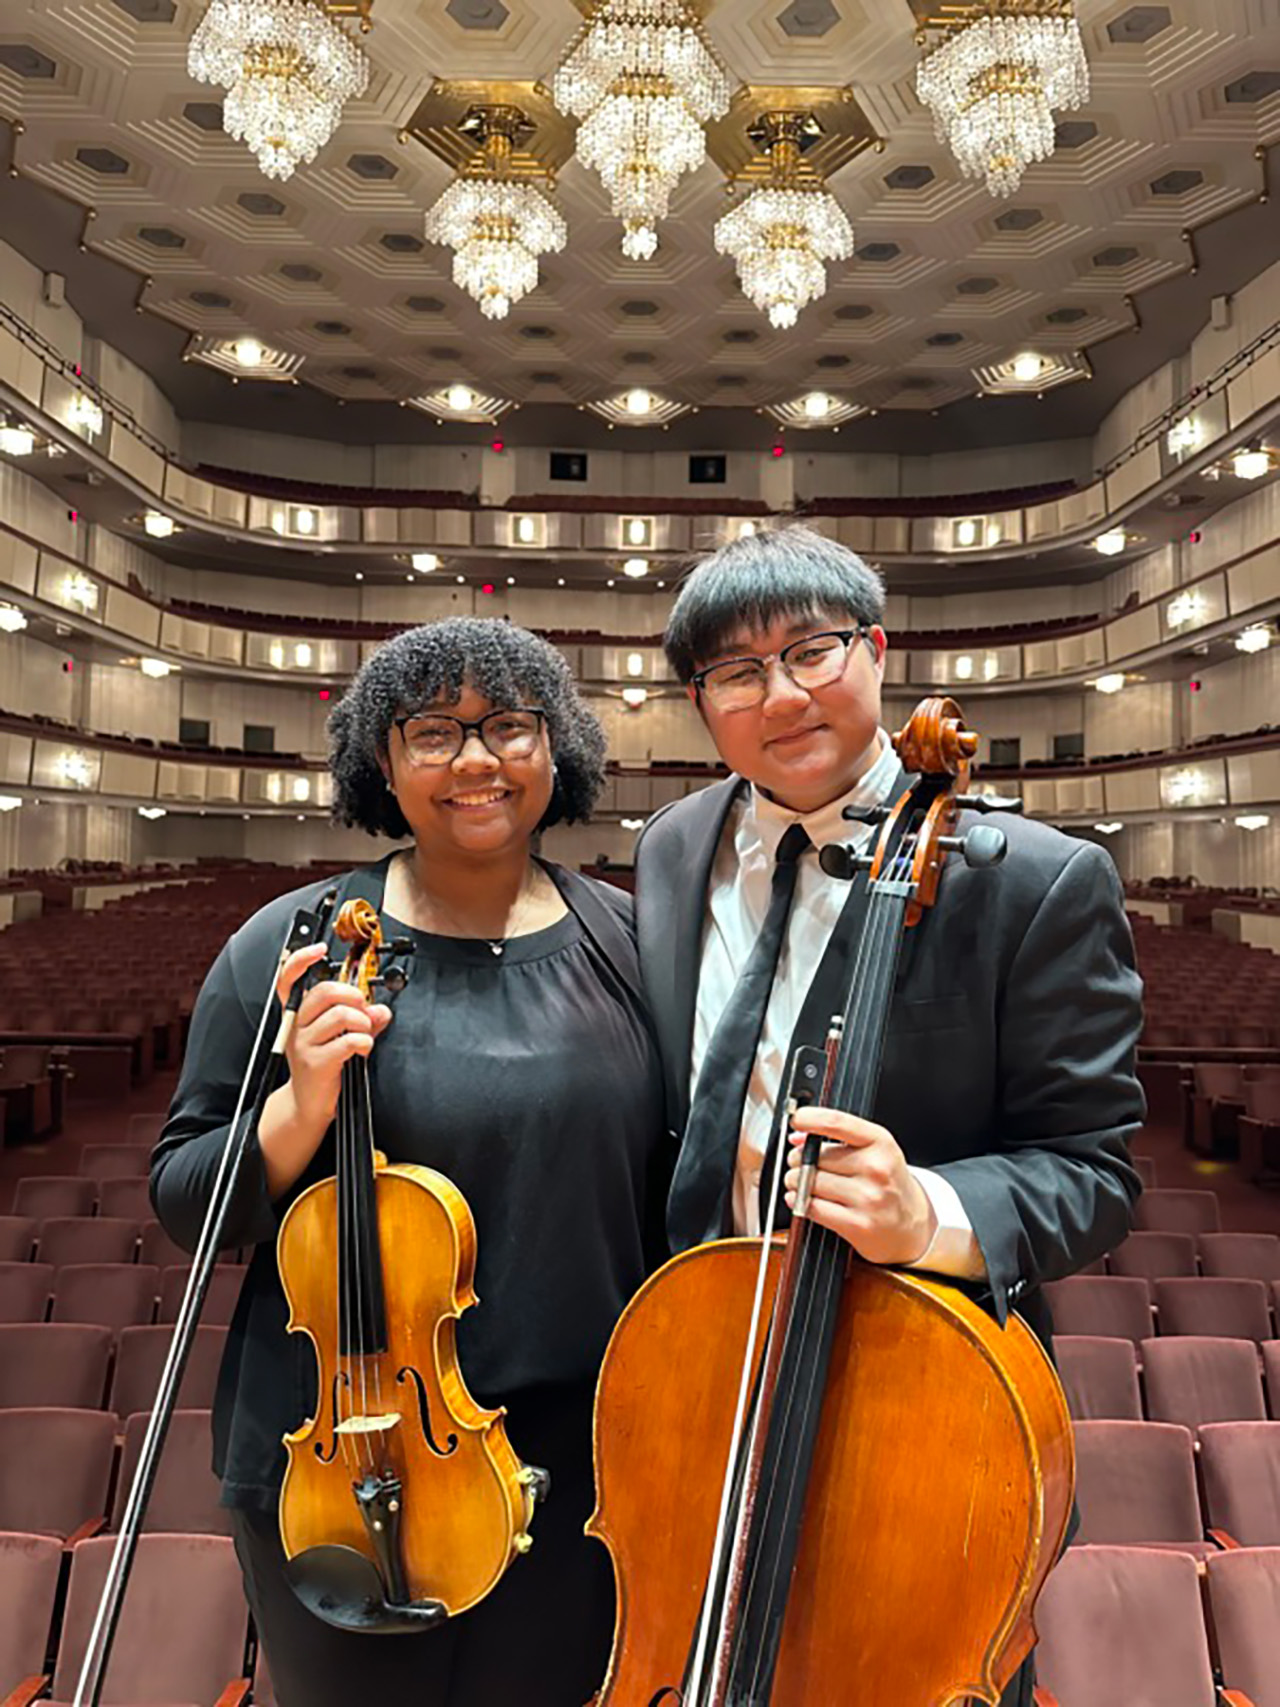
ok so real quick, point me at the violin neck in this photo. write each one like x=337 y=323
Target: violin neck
x=362 y=1313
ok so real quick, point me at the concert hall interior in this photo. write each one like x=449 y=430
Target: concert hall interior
x=294 y=360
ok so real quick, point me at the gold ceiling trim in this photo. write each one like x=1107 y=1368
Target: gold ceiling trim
x=360 y=9
x=540 y=153
x=842 y=131
x=695 y=8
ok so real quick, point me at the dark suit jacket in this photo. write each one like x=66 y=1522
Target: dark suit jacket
x=1010 y=1058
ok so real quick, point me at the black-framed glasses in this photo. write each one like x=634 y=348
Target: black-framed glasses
x=434 y=738
x=813 y=662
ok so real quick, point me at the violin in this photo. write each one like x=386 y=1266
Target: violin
x=403 y=1501
x=820 y=1480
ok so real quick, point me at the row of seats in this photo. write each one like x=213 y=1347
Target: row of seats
x=112 y=1294
x=196 y=1650
x=62 y=1240
x=1113 y=1306
x=1193 y=1379
x=1134 y=1627
x=83 y=1366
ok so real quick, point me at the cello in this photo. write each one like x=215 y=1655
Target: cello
x=403 y=1501
x=824 y=1482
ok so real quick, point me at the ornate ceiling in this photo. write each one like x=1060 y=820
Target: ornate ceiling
x=331 y=266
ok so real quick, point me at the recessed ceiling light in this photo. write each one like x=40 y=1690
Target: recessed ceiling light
x=156 y=668
x=462 y=579
x=460 y=397
x=560 y=582
x=1110 y=683
x=817 y=405
x=158 y=525
x=608 y=583
x=638 y=401
x=248 y=352
x=511 y=580
x=425 y=561
x=359 y=575
x=1027 y=366
x=635 y=567
x=634 y=698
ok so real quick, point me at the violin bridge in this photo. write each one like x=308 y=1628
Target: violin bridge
x=368 y=1425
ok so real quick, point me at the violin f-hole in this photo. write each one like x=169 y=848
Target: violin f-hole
x=424 y=1412
x=327 y=1456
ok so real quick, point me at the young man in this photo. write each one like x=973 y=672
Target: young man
x=999 y=1150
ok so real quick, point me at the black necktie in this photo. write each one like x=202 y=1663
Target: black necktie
x=708 y=1155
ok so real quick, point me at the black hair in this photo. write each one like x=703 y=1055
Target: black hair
x=506 y=664
x=750 y=583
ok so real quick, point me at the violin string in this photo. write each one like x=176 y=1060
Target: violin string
x=816 y=1292
x=345 y=1276
x=375 y=1256
x=360 y=1200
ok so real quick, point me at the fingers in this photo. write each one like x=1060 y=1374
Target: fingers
x=842 y=1128
x=295 y=965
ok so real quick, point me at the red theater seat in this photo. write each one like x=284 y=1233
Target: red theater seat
x=1244 y=1596
x=1112 y=1306
x=1166 y=1211
x=30 y=1566
x=17 y=1237
x=219 y=1301
x=53 y=1363
x=25 y=1290
x=55 y=1470
x=185 y=1496
x=127 y=1199
x=1195 y=1380
x=1151 y=1256
x=1240 y=1465
x=1123 y=1627
x=79 y=1239
x=1222 y=1309
x=116 y=1294
x=41 y=1196
x=1099 y=1377
x=1136 y=1483
x=140 y=1360
x=1240 y=1256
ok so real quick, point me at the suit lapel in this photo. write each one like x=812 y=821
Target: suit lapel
x=688 y=877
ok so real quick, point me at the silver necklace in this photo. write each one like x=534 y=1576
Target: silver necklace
x=495 y=945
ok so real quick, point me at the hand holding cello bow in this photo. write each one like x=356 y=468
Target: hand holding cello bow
x=860 y=1501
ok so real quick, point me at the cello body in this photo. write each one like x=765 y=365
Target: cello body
x=938 y=1499
x=465 y=1500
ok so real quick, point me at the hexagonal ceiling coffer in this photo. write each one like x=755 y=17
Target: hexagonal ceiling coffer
x=424 y=304
x=1176 y=183
x=259 y=202
x=205 y=115
x=1139 y=24
x=300 y=272
x=908 y=177
x=638 y=309
x=638 y=358
x=1118 y=255
x=545 y=378
x=976 y=287
x=161 y=237
x=210 y=299
x=831 y=362
x=333 y=328
x=1019 y=219
x=1074 y=133
x=808 y=18
x=149 y=11
x=878 y=252
x=854 y=311
x=104 y=160
x=478 y=14
x=1254 y=86
x=537 y=334
x=1066 y=316
x=401 y=243
x=731 y=381
x=742 y=335
x=944 y=340
x=372 y=166
x=26 y=61
x=365 y=373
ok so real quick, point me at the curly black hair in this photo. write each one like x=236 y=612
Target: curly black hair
x=506 y=664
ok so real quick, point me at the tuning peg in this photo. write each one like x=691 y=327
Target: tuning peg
x=865 y=814
x=982 y=847
x=837 y=860
x=989 y=803
x=393 y=979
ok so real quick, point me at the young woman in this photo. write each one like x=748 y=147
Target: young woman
x=518 y=1061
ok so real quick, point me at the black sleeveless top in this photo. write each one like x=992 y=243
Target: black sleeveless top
x=529 y=1078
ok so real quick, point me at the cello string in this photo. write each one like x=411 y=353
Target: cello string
x=810 y=1291
x=816 y=1292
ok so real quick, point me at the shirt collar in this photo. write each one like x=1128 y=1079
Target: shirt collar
x=766 y=821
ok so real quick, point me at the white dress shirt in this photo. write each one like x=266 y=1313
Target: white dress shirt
x=738 y=898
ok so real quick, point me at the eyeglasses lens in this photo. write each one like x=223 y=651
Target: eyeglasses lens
x=439 y=740
x=743 y=682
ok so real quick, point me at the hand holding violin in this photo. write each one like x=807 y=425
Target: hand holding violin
x=334 y=1024
x=863 y=1188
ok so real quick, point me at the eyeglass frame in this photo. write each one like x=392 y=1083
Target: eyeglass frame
x=863 y=631
x=467 y=730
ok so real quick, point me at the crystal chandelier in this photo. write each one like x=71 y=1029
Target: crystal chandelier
x=785 y=230
x=496 y=225
x=996 y=81
x=644 y=80
x=288 y=69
